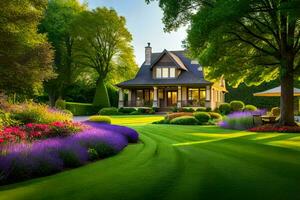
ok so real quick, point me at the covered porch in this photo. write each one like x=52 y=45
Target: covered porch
x=166 y=96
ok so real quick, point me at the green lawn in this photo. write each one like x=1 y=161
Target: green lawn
x=180 y=162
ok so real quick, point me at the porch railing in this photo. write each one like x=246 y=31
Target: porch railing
x=193 y=103
x=139 y=103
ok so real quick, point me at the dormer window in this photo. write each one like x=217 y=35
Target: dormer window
x=172 y=72
x=165 y=72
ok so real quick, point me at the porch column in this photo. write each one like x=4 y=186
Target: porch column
x=155 y=101
x=129 y=98
x=121 y=98
x=179 y=97
x=208 y=100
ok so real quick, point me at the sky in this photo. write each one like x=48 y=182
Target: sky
x=145 y=24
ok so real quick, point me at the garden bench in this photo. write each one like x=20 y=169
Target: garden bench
x=266 y=119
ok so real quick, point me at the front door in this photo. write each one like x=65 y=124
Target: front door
x=172 y=98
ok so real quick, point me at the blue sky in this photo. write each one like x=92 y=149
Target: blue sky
x=144 y=23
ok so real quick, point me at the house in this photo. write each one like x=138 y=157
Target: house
x=170 y=79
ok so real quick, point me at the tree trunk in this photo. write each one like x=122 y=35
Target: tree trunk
x=52 y=100
x=52 y=97
x=287 y=97
x=101 y=98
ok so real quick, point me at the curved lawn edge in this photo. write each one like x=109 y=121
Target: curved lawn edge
x=227 y=164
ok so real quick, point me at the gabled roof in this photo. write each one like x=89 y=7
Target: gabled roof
x=190 y=76
x=173 y=57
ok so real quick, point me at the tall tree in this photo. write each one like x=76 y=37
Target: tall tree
x=104 y=47
x=57 y=23
x=249 y=41
x=25 y=55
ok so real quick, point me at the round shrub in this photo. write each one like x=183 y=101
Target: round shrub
x=109 y=111
x=126 y=110
x=201 y=109
x=174 y=109
x=237 y=105
x=135 y=113
x=225 y=108
x=215 y=116
x=202 y=117
x=185 y=120
x=100 y=119
x=250 y=108
x=146 y=110
x=163 y=121
x=60 y=104
x=275 y=111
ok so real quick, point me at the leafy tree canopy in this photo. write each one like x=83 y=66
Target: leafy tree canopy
x=249 y=41
x=57 y=24
x=25 y=55
x=104 y=46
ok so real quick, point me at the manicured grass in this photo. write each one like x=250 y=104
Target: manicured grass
x=180 y=162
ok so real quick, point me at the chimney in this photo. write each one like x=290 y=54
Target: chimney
x=148 y=52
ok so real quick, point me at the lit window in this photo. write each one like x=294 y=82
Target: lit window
x=172 y=72
x=158 y=72
x=165 y=72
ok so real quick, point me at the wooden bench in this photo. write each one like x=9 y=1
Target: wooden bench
x=266 y=119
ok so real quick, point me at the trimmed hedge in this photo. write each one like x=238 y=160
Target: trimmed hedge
x=126 y=110
x=109 y=111
x=225 y=108
x=146 y=110
x=215 y=116
x=237 y=105
x=100 y=119
x=202 y=117
x=83 y=109
x=201 y=109
x=184 y=120
x=250 y=108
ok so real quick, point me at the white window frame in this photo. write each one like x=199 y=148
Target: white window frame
x=161 y=70
x=158 y=73
x=174 y=72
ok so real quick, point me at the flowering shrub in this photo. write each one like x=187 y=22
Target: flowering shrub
x=240 y=120
x=274 y=128
x=12 y=135
x=27 y=160
x=38 y=113
x=31 y=131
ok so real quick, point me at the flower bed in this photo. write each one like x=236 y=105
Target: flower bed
x=274 y=128
x=241 y=120
x=27 y=160
x=30 y=132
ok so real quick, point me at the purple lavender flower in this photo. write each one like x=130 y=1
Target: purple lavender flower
x=240 y=120
x=44 y=157
x=131 y=135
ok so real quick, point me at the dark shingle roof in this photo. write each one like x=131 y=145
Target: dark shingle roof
x=190 y=76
